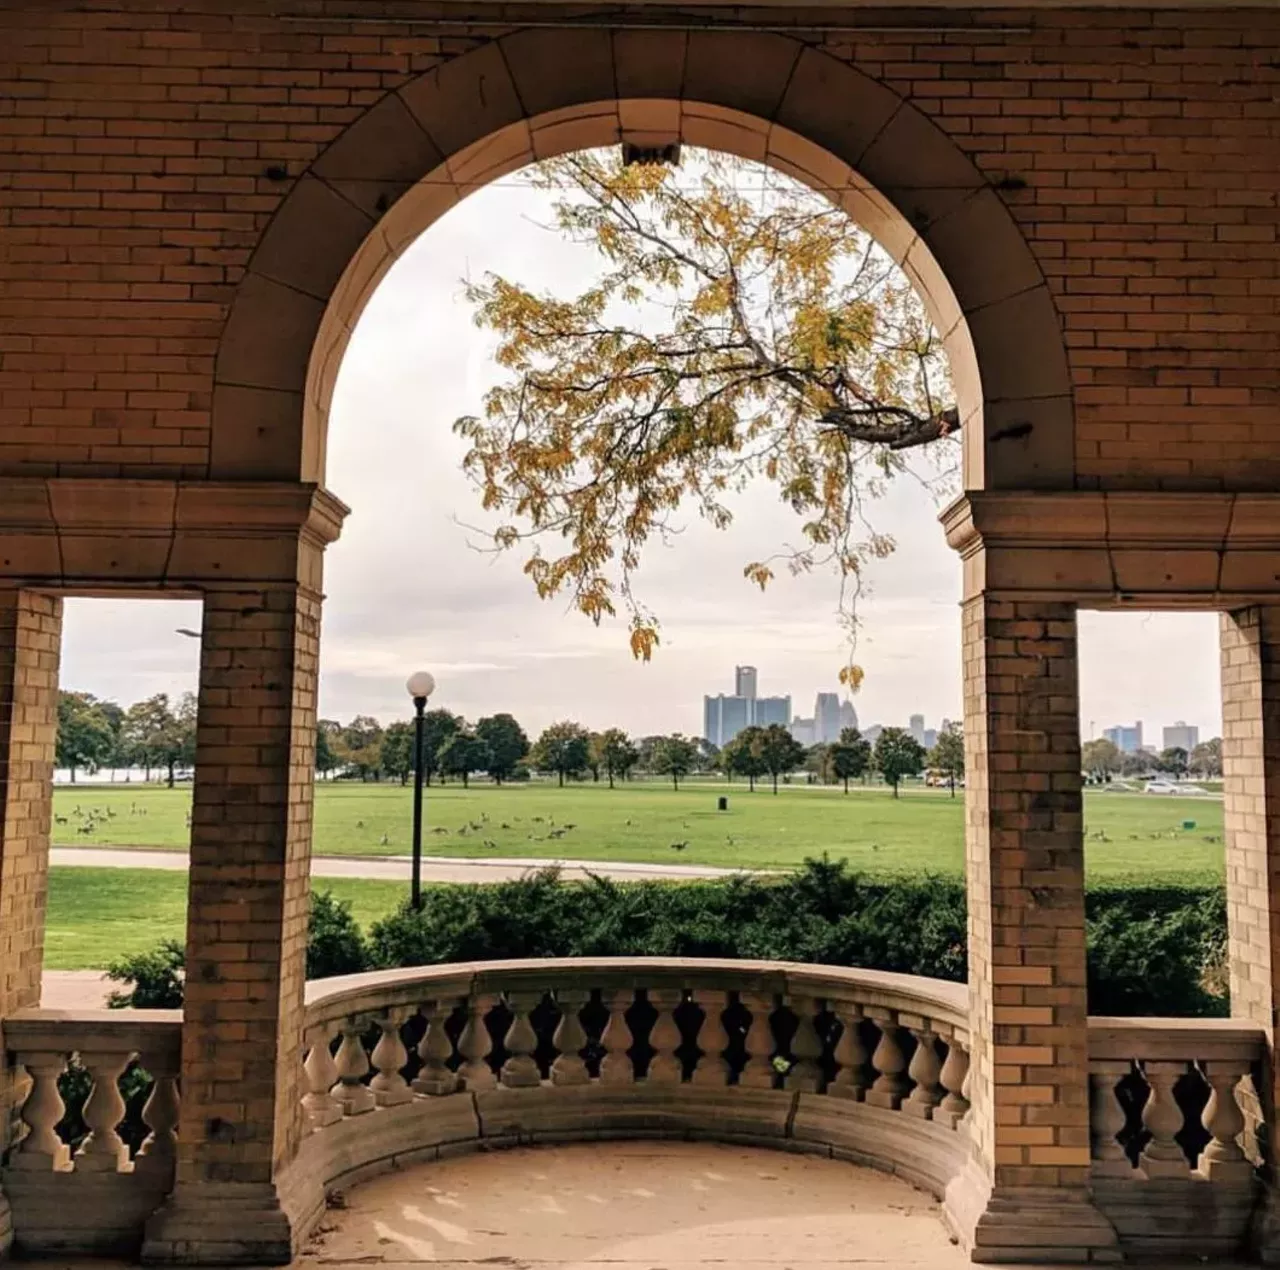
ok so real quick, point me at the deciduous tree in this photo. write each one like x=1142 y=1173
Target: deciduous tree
x=850 y=756
x=1206 y=758
x=615 y=753
x=85 y=736
x=675 y=756
x=396 y=754
x=947 y=755
x=463 y=753
x=1100 y=758
x=506 y=742
x=779 y=751
x=741 y=756
x=788 y=349
x=562 y=748
x=897 y=754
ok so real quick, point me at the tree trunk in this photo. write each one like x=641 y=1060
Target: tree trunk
x=895 y=788
x=465 y=780
x=775 y=783
x=675 y=780
x=170 y=773
x=561 y=775
x=953 y=785
x=72 y=768
x=846 y=784
x=611 y=778
x=751 y=782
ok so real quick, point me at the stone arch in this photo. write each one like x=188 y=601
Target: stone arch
x=540 y=92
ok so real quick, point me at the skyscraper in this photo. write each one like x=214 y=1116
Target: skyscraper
x=848 y=715
x=1182 y=736
x=724 y=717
x=916 y=728
x=744 y=682
x=826 y=718
x=772 y=710
x=1128 y=740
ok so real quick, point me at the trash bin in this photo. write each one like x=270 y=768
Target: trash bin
x=1188 y=824
x=722 y=803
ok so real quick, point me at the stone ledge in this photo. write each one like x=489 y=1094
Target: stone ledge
x=1128 y=548
x=120 y=535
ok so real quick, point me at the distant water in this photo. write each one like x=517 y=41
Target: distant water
x=115 y=776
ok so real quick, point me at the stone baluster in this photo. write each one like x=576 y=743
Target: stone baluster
x=805 y=1074
x=520 y=1071
x=41 y=1150
x=1162 y=1118
x=890 y=1085
x=103 y=1149
x=664 y=1037
x=570 y=1039
x=616 y=1067
x=759 y=1072
x=1107 y=1118
x=475 y=1044
x=389 y=1086
x=954 y=1076
x=158 y=1152
x=851 y=1057
x=925 y=1071
x=321 y=1074
x=1222 y=1159
x=353 y=1095
x=712 y=1068
x=436 y=1049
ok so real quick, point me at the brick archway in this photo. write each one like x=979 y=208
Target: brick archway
x=537 y=93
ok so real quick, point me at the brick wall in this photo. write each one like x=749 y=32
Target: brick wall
x=142 y=152
x=1025 y=871
x=30 y=641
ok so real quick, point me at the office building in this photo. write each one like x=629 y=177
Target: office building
x=802 y=730
x=916 y=728
x=744 y=682
x=848 y=715
x=1128 y=740
x=724 y=717
x=826 y=718
x=769 y=710
x=1182 y=736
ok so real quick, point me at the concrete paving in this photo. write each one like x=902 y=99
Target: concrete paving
x=396 y=868
x=637 y=1206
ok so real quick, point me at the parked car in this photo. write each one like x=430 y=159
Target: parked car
x=1162 y=787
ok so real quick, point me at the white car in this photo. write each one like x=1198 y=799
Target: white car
x=1162 y=787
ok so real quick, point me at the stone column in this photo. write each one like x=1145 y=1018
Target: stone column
x=234 y=1199
x=1025 y=1195
x=30 y=642
x=1250 y=655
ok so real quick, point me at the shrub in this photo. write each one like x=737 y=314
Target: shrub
x=156 y=977
x=335 y=942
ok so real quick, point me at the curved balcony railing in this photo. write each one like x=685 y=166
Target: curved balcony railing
x=413 y=1065
x=859 y=1064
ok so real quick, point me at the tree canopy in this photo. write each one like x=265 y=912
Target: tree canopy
x=85 y=735
x=897 y=754
x=850 y=756
x=675 y=756
x=947 y=755
x=562 y=748
x=727 y=338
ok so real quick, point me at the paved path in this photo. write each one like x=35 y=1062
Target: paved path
x=396 y=867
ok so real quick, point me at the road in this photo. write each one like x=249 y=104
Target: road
x=395 y=868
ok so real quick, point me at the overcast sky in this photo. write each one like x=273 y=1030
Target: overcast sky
x=407 y=587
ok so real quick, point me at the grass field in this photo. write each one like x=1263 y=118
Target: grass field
x=1129 y=836
x=97 y=915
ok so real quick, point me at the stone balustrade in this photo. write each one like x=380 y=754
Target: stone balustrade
x=1174 y=1117
x=417 y=1063
x=81 y=1188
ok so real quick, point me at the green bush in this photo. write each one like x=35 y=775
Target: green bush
x=1152 y=951
x=155 y=976
x=335 y=942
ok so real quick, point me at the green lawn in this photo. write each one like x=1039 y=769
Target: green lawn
x=1129 y=836
x=97 y=915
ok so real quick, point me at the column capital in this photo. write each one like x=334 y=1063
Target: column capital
x=1121 y=548
x=122 y=536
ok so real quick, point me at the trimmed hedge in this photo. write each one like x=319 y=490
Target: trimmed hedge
x=1151 y=950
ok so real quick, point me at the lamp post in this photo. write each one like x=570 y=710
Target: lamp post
x=421 y=685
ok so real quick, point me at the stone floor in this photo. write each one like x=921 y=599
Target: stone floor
x=637 y=1206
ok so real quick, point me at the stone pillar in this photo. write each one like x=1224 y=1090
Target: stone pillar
x=1250 y=655
x=234 y=1198
x=30 y=642
x=1025 y=1195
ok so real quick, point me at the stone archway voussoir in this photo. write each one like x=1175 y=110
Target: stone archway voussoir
x=649 y=64
x=269 y=336
x=745 y=71
x=267 y=438
x=1019 y=342
x=553 y=69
